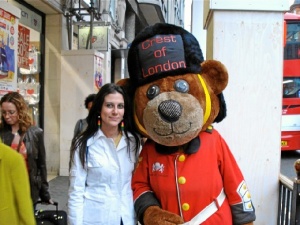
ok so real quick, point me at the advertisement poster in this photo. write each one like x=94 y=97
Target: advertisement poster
x=8 y=48
x=99 y=39
x=23 y=47
x=98 y=73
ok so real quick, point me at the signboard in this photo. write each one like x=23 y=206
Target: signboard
x=30 y=19
x=99 y=39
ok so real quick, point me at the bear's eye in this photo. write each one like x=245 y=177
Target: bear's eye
x=152 y=91
x=181 y=86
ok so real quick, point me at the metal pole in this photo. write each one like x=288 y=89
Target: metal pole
x=91 y=23
x=69 y=26
x=295 y=212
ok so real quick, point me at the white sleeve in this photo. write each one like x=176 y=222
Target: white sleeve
x=77 y=179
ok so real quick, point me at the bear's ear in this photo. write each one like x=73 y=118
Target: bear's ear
x=215 y=75
x=123 y=82
x=127 y=86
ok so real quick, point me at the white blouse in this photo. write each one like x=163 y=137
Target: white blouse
x=101 y=193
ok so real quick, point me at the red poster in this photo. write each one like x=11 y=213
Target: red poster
x=23 y=47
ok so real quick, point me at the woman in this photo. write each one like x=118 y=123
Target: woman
x=17 y=131
x=81 y=123
x=102 y=161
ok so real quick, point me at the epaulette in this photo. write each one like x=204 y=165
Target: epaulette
x=209 y=129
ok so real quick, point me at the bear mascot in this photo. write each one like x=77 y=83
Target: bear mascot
x=186 y=173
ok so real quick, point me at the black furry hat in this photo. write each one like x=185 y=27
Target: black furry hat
x=163 y=50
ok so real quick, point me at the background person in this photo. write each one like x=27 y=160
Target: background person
x=81 y=124
x=17 y=131
x=102 y=161
x=15 y=204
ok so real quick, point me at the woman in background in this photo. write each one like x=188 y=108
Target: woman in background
x=81 y=124
x=102 y=161
x=17 y=131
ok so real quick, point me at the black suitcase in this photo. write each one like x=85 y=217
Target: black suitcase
x=50 y=217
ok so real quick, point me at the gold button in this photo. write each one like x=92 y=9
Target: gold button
x=185 y=206
x=181 y=180
x=181 y=158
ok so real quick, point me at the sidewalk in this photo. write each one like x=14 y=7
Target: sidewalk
x=58 y=187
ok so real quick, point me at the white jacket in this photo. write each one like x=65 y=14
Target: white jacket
x=101 y=193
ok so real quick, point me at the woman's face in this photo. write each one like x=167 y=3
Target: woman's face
x=10 y=113
x=112 y=110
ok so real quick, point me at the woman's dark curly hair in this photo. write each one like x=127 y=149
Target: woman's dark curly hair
x=88 y=99
x=24 y=118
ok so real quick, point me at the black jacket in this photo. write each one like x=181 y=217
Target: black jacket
x=36 y=156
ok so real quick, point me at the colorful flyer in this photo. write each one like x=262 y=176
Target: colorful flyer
x=8 y=48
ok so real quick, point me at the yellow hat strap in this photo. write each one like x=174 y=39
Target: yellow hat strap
x=137 y=122
x=207 y=100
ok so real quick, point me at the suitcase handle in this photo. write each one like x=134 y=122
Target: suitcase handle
x=47 y=203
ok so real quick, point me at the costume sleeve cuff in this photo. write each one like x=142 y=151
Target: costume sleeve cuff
x=143 y=202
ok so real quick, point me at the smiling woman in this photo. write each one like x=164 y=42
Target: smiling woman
x=102 y=161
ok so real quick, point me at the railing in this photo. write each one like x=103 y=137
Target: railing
x=289 y=199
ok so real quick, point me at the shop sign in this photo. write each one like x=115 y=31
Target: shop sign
x=31 y=19
x=99 y=39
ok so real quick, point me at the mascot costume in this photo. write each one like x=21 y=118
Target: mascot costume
x=186 y=173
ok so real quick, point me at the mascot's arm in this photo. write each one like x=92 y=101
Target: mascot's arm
x=146 y=204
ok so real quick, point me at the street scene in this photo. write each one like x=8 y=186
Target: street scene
x=181 y=111
x=59 y=185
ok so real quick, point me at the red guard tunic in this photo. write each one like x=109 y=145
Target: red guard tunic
x=186 y=183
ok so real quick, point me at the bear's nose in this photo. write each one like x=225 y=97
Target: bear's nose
x=170 y=110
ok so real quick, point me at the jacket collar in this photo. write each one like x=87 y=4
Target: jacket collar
x=100 y=134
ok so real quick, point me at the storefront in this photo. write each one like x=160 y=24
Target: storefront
x=21 y=65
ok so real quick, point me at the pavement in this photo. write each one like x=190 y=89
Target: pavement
x=58 y=188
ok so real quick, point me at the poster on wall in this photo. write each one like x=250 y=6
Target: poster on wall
x=98 y=73
x=23 y=47
x=8 y=48
x=99 y=39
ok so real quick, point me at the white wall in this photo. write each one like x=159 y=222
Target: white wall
x=250 y=44
x=77 y=82
x=197 y=28
x=53 y=45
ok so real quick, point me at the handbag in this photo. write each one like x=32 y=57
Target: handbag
x=50 y=217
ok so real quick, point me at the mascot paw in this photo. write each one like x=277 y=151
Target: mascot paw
x=154 y=215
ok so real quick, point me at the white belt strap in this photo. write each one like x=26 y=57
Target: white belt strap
x=208 y=210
